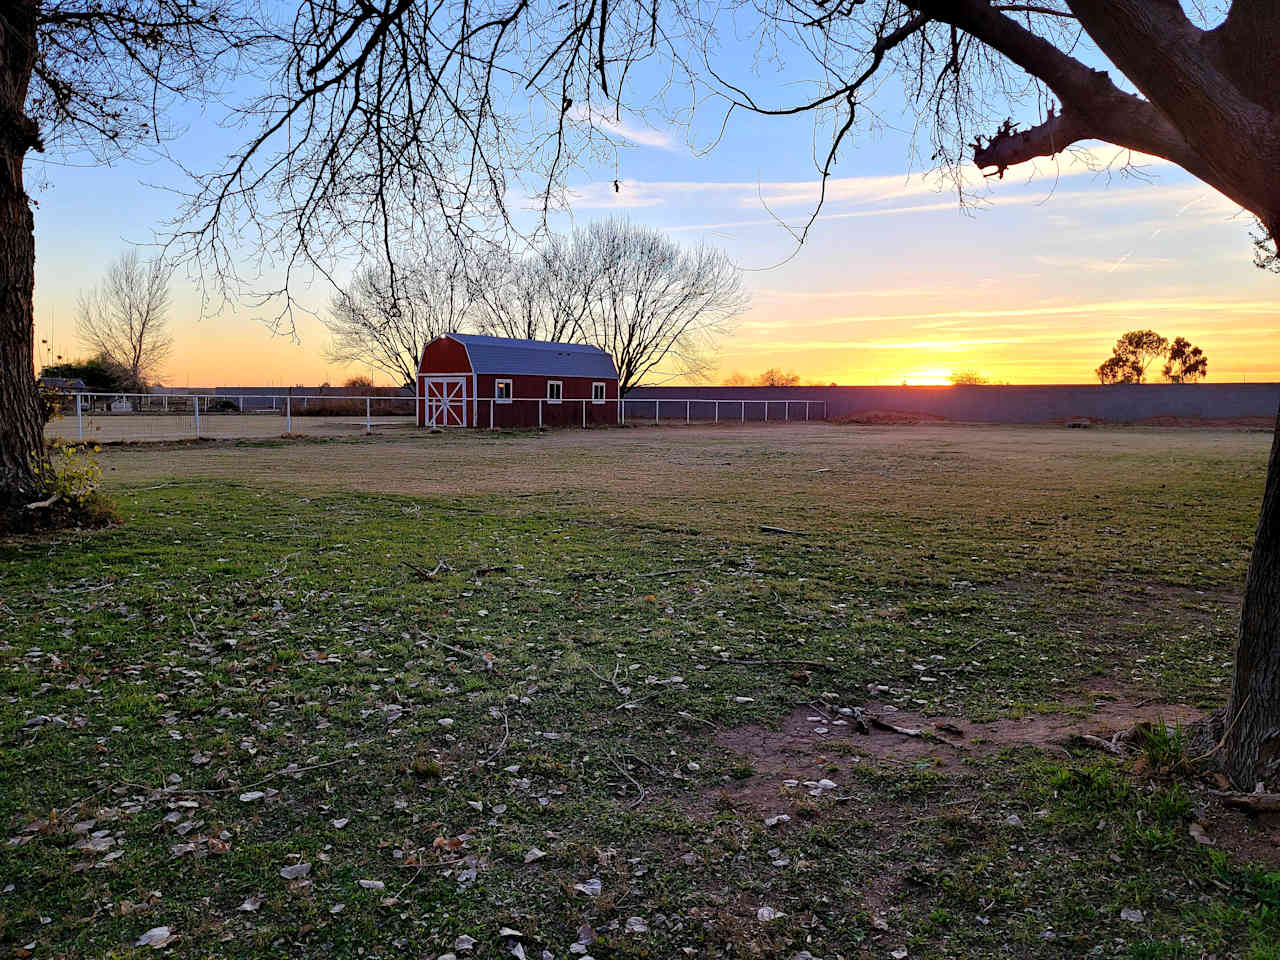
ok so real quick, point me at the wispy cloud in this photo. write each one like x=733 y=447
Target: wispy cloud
x=623 y=128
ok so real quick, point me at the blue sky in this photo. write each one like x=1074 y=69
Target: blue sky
x=1030 y=284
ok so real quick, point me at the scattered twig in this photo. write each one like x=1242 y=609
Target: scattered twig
x=41 y=504
x=894 y=728
x=666 y=573
x=424 y=574
x=1107 y=746
x=506 y=735
x=485 y=571
x=634 y=782
x=613 y=682
x=765 y=528
x=1253 y=802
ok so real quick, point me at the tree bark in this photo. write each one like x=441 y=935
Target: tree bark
x=1251 y=748
x=21 y=421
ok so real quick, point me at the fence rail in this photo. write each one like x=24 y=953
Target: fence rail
x=128 y=417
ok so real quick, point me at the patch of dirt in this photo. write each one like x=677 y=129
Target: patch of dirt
x=1252 y=839
x=796 y=750
x=797 y=746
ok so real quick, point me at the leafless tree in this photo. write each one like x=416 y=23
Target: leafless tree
x=86 y=79
x=657 y=308
x=126 y=318
x=542 y=294
x=384 y=324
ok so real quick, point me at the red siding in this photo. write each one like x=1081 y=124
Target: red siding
x=444 y=355
x=527 y=390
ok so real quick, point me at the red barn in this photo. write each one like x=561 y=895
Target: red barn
x=466 y=380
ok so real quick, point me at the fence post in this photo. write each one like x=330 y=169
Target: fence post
x=288 y=414
x=744 y=411
x=717 y=411
x=539 y=413
x=368 y=418
x=787 y=414
x=584 y=414
x=195 y=405
x=766 y=411
x=79 y=421
x=622 y=411
x=657 y=406
x=240 y=403
x=686 y=412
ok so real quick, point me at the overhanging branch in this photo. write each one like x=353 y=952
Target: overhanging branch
x=1010 y=146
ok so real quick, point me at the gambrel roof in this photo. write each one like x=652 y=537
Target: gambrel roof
x=538 y=358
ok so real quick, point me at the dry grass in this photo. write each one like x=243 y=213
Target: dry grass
x=725 y=476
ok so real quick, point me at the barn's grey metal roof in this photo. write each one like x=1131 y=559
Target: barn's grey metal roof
x=539 y=358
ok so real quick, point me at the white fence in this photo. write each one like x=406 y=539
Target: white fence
x=125 y=417
x=129 y=417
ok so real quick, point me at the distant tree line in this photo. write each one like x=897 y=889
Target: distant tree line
x=1137 y=350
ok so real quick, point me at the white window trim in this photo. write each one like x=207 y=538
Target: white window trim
x=558 y=383
x=495 y=391
x=604 y=391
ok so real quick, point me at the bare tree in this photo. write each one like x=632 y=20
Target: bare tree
x=657 y=308
x=777 y=377
x=541 y=295
x=85 y=78
x=385 y=317
x=126 y=318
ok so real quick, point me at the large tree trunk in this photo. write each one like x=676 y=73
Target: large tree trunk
x=1251 y=750
x=21 y=422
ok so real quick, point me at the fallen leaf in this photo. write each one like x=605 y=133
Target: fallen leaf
x=534 y=854
x=591 y=888
x=250 y=904
x=295 y=871
x=156 y=938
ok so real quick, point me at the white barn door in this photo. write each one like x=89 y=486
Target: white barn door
x=446 y=401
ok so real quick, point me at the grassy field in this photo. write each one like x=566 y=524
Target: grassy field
x=562 y=695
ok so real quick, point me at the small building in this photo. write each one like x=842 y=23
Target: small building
x=467 y=380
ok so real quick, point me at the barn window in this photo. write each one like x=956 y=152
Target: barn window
x=502 y=391
x=597 y=392
x=555 y=391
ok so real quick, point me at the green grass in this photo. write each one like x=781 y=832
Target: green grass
x=549 y=689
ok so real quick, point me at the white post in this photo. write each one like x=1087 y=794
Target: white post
x=539 y=413
x=806 y=410
x=622 y=411
x=686 y=413
x=240 y=403
x=288 y=414
x=492 y=423
x=744 y=411
x=657 y=405
x=195 y=405
x=165 y=403
x=766 y=411
x=717 y=411
x=787 y=416
x=368 y=417
x=584 y=414
x=79 y=421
